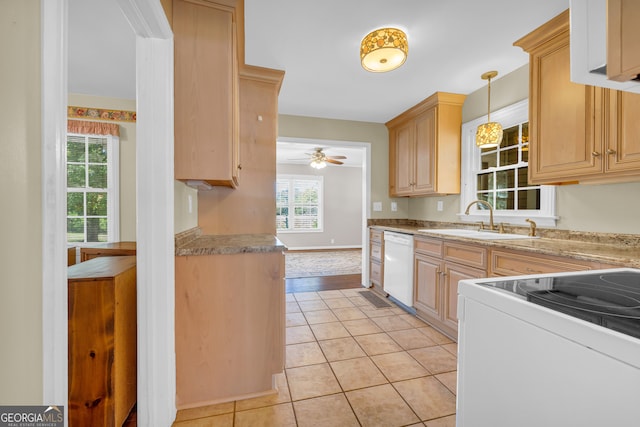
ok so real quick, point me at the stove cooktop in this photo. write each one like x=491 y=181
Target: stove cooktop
x=608 y=299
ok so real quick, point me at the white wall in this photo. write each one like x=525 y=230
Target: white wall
x=342 y=208
x=21 y=213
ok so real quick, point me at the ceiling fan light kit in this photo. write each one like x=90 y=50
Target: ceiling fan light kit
x=318 y=164
x=384 y=50
x=489 y=135
x=319 y=159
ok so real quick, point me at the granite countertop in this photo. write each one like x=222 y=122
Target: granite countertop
x=615 y=249
x=193 y=242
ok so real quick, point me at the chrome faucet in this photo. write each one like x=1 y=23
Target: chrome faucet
x=483 y=203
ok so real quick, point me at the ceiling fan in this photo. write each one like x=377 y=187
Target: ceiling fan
x=319 y=159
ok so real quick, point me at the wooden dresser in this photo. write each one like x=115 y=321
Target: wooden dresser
x=102 y=341
x=107 y=249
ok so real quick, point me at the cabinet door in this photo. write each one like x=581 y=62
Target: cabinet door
x=425 y=159
x=623 y=152
x=206 y=93
x=623 y=39
x=565 y=136
x=427 y=290
x=453 y=273
x=404 y=146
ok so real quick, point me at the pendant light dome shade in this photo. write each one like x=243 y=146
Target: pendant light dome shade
x=384 y=50
x=489 y=135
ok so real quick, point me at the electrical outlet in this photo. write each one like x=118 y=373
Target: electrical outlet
x=333 y=241
x=377 y=206
x=440 y=206
x=394 y=207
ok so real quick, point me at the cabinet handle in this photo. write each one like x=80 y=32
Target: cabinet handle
x=595 y=154
x=610 y=151
x=239 y=167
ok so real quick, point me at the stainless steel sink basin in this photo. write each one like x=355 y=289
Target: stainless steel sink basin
x=475 y=234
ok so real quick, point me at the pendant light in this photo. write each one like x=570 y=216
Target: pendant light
x=489 y=135
x=383 y=50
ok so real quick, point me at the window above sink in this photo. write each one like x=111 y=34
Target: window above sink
x=499 y=176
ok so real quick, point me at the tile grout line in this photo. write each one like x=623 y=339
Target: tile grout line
x=368 y=356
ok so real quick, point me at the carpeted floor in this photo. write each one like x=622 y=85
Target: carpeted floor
x=322 y=263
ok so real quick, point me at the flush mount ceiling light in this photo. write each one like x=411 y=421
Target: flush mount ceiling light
x=489 y=135
x=384 y=50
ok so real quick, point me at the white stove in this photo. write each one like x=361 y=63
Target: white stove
x=550 y=350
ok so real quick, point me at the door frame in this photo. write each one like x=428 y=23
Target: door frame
x=366 y=187
x=154 y=204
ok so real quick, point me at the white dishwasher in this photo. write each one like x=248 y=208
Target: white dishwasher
x=398 y=266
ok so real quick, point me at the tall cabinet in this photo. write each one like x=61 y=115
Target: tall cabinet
x=229 y=301
x=578 y=133
x=206 y=91
x=424 y=147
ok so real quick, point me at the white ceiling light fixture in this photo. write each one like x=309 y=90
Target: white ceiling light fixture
x=489 y=135
x=384 y=50
x=318 y=164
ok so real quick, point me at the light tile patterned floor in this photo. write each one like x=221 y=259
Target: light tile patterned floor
x=350 y=364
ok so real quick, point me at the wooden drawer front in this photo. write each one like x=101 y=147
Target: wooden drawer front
x=513 y=264
x=375 y=272
x=427 y=246
x=375 y=235
x=376 y=252
x=472 y=256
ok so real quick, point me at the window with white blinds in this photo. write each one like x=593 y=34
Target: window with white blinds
x=299 y=203
x=92 y=190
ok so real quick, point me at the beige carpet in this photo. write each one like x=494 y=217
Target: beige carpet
x=322 y=263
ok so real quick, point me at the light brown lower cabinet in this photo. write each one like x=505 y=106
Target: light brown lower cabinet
x=515 y=263
x=229 y=326
x=439 y=265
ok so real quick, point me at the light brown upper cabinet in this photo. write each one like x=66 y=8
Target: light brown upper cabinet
x=623 y=40
x=577 y=133
x=206 y=92
x=424 y=147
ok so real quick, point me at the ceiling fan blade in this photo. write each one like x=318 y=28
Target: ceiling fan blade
x=335 y=162
x=336 y=157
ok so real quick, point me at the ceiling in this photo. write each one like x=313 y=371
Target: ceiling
x=451 y=43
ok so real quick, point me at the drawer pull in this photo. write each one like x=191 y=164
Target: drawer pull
x=595 y=154
x=610 y=151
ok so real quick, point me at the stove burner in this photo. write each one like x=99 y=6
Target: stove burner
x=611 y=299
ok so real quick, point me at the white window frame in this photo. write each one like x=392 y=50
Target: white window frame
x=112 y=190
x=509 y=116
x=320 y=180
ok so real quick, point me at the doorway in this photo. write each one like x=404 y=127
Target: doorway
x=154 y=235
x=294 y=151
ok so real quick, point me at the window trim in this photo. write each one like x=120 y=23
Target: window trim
x=113 y=187
x=508 y=116
x=318 y=178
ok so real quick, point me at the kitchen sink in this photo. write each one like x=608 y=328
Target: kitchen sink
x=475 y=234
